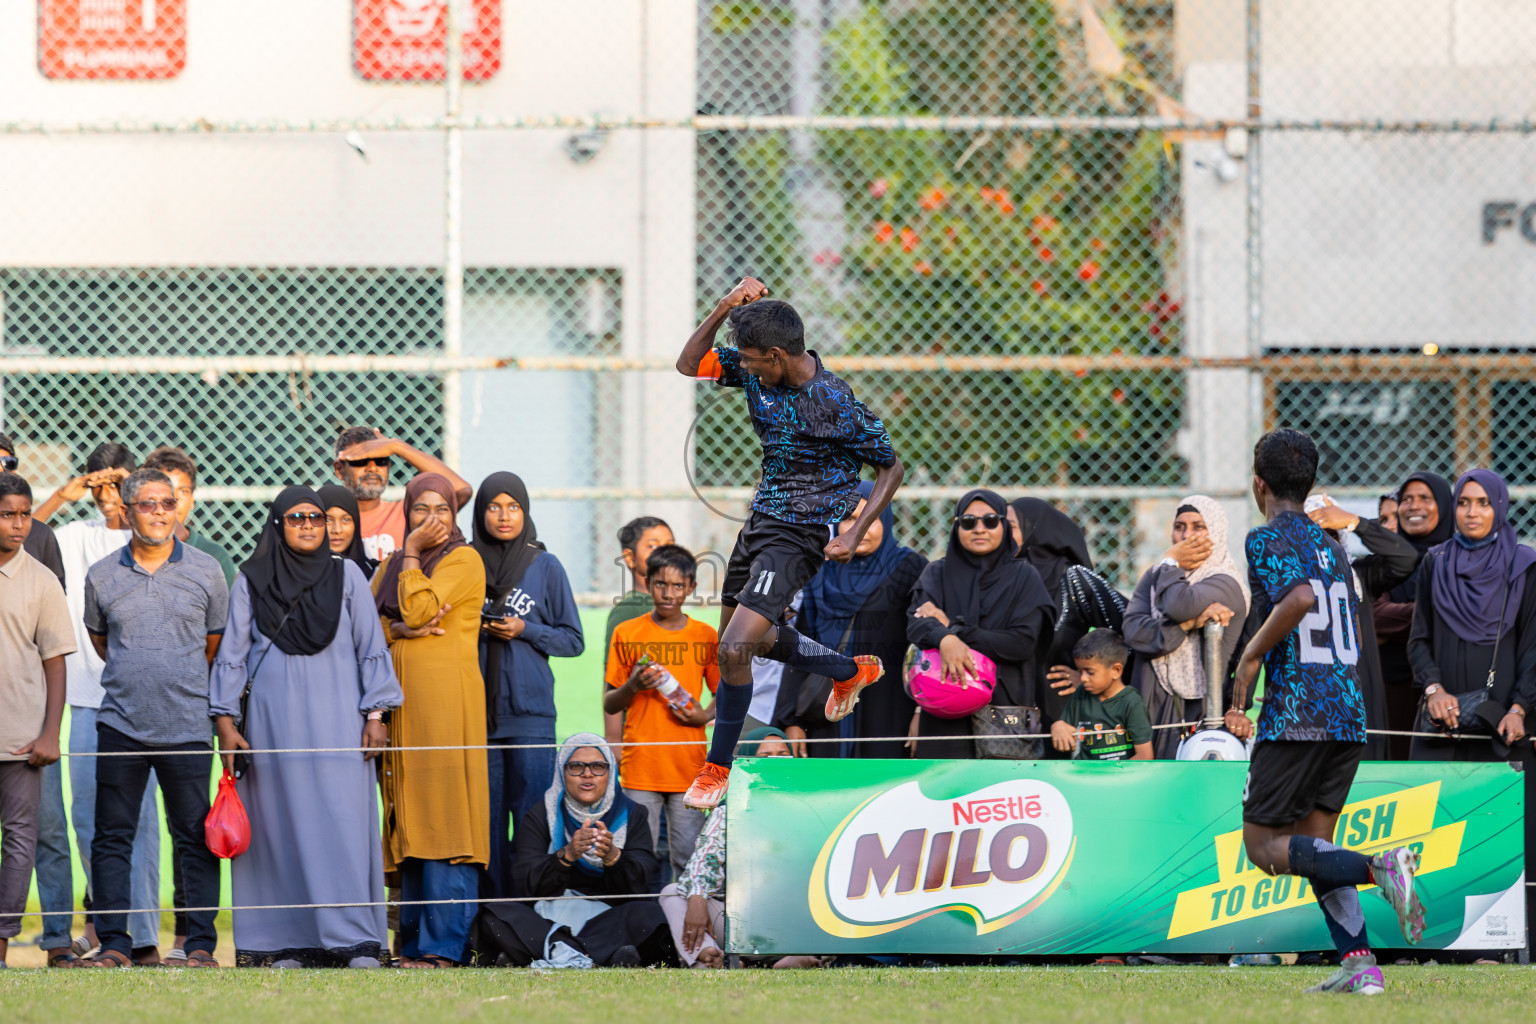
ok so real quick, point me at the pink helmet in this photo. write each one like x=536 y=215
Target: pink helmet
x=946 y=698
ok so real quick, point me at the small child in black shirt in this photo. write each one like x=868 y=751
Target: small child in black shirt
x=1104 y=720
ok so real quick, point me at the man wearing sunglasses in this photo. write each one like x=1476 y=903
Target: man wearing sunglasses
x=41 y=543
x=363 y=460
x=155 y=615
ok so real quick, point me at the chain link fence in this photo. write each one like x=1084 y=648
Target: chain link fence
x=1080 y=249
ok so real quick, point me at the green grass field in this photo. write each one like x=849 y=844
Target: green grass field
x=1147 y=995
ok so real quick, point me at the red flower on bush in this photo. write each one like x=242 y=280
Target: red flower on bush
x=932 y=199
x=1046 y=255
x=908 y=240
x=1044 y=223
x=878 y=187
x=1089 y=270
x=1097 y=245
x=1038 y=286
x=884 y=232
x=923 y=267
x=1118 y=395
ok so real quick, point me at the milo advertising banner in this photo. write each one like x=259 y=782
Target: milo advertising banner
x=1038 y=857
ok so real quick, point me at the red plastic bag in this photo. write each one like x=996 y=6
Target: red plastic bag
x=227 y=830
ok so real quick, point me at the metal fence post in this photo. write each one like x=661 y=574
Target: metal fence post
x=1215 y=676
x=453 y=228
x=1254 y=58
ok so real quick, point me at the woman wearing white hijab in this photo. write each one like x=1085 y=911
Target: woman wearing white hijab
x=1195 y=582
x=586 y=839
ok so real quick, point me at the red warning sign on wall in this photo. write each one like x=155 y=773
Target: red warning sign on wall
x=402 y=40
x=111 y=38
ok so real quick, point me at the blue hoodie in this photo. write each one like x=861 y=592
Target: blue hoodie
x=552 y=629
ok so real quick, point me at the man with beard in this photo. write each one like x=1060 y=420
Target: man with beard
x=362 y=464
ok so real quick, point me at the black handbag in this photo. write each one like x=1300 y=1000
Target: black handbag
x=1476 y=712
x=999 y=731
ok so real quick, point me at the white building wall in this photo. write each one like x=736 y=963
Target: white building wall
x=265 y=199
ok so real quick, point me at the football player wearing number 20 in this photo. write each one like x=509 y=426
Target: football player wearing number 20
x=1311 y=732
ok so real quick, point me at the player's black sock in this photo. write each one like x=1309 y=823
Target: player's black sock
x=807 y=655
x=1346 y=919
x=1330 y=865
x=731 y=706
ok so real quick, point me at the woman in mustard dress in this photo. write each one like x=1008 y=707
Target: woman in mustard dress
x=436 y=803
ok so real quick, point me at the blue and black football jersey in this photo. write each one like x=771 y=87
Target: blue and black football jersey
x=814 y=438
x=1311 y=678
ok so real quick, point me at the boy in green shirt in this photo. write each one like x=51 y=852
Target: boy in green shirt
x=1104 y=720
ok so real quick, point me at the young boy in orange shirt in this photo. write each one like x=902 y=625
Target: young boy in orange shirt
x=645 y=658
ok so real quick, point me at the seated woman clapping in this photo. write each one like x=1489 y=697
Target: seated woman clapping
x=586 y=842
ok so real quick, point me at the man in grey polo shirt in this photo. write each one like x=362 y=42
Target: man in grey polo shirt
x=155 y=613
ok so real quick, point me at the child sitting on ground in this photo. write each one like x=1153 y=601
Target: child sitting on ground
x=1104 y=720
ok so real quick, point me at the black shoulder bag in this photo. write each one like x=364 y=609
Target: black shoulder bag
x=1476 y=714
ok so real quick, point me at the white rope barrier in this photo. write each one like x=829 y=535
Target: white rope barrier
x=96 y=912
x=540 y=746
x=644 y=743
x=523 y=746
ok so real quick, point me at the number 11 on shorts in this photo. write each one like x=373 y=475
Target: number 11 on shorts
x=764 y=582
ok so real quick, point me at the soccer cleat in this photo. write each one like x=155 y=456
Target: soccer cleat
x=1357 y=976
x=846 y=693
x=1393 y=871
x=708 y=789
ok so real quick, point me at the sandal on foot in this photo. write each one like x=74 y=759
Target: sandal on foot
x=201 y=958
x=110 y=958
x=66 y=959
x=429 y=962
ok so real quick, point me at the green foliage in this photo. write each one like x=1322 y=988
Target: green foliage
x=995 y=243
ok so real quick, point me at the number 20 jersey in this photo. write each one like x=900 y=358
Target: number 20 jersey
x=1312 y=678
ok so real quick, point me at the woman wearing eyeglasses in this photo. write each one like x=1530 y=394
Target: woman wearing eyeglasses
x=586 y=839
x=436 y=803
x=978 y=597
x=303 y=634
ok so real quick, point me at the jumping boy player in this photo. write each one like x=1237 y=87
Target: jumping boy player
x=1312 y=729
x=815 y=434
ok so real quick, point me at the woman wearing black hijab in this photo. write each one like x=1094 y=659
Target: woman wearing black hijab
x=1055 y=545
x=1426 y=517
x=304 y=632
x=979 y=596
x=529 y=616
x=342 y=520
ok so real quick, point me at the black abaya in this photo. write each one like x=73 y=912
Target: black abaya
x=1439 y=655
x=537 y=872
x=884 y=709
x=1392 y=560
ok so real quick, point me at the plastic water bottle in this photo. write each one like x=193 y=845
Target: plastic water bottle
x=679 y=699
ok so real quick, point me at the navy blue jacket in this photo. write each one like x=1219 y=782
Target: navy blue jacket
x=552 y=629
